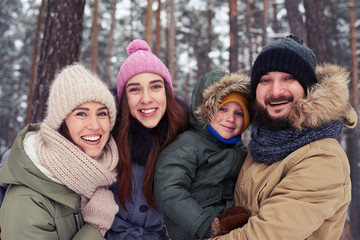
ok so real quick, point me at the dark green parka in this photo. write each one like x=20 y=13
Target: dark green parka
x=195 y=175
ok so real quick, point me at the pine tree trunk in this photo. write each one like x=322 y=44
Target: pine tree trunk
x=209 y=15
x=171 y=43
x=316 y=29
x=110 y=43
x=148 y=24
x=158 y=30
x=33 y=63
x=234 y=37
x=353 y=134
x=248 y=34
x=60 y=47
x=295 y=18
x=265 y=21
x=94 y=37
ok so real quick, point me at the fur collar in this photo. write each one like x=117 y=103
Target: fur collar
x=212 y=95
x=326 y=101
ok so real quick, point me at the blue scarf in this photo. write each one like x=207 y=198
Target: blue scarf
x=232 y=140
x=269 y=146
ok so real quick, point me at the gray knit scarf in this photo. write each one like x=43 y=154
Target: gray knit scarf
x=88 y=177
x=269 y=146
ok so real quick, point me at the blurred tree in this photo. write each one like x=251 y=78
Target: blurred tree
x=148 y=36
x=234 y=37
x=171 y=43
x=295 y=18
x=158 y=29
x=110 y=43
x=94 y=37
x=248 y=23
x=316 y=29
x=265 y=21
x=353 y=134
x=34 y=62
x=60 y=47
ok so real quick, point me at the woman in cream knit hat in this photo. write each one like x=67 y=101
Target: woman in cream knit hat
x=58 y=172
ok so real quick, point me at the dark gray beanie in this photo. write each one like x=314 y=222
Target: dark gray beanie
x=285 y=55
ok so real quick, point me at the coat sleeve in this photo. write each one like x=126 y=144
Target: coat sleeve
x=175 y=170
x=88 y=232
x=308 y=195
x=23 y=216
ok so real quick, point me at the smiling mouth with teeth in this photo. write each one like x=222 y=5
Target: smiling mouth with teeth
x=148 y=110
x=91 y=139
x=278 y=103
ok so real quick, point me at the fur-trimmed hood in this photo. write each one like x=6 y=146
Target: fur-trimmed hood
x=212 y=87
x=326 y=101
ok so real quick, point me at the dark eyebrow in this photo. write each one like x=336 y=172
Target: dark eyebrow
x=102 y=108
x=133 y=84
x=156 y=81
x=151 y=82
x=88 y=109
x=80 y=109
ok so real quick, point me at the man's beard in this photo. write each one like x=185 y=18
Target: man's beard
x=270 y=122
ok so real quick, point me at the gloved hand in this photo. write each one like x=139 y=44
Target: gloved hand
x=230 y=219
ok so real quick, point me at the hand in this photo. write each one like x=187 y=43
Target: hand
x=230 y=219
x=215 y=228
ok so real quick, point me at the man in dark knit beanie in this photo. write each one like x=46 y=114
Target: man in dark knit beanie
x=295 y=181
x=287 y=55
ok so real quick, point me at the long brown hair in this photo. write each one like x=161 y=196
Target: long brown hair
x=177 y=122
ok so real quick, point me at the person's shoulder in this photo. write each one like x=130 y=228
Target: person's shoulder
x=184 y=139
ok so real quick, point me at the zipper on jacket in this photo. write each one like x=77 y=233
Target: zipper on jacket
x=77 y=221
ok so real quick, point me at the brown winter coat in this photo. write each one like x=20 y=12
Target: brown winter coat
x=305 y=195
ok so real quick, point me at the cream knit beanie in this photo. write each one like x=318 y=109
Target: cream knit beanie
x=75 y=85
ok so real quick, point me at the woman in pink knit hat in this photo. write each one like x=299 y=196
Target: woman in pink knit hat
x=150 y=117
x=58 y=172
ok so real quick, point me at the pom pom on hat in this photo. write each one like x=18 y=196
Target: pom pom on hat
x=287 y=55
x=73 y=86
x=137 y=45
x=140 y=60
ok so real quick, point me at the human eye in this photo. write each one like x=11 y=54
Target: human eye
x=133 y=89
x=241 y=114
x=80 y=114
x=264 y=80
x=222 y=109
x=104 y=113
x=157 y=86
x=289 y=77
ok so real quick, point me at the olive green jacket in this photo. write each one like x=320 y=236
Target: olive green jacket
x=36 y=207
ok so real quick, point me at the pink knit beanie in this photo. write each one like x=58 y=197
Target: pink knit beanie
x=140 y=60
x=73 y=86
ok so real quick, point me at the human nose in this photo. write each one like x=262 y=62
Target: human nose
x=146 y=97
x=229 y=117
x=277 y=88
x=93 y=123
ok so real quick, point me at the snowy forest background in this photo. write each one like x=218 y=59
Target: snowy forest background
x=39 y=37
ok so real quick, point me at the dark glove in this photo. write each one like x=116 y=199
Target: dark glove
x=232 y=218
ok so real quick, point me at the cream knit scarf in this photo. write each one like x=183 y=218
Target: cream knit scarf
x=86 y=176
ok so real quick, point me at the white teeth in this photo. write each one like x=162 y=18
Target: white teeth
x=95 y=138
x=278 y=103
x=148 y=111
